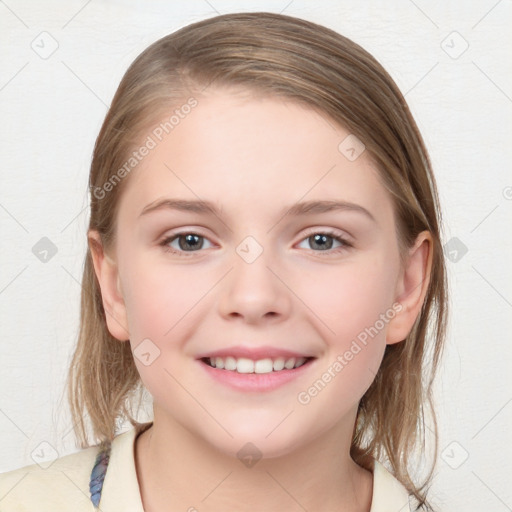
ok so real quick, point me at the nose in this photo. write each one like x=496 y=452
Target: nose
x=254 y=291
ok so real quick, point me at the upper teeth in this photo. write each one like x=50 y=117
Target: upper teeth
x=244 y=365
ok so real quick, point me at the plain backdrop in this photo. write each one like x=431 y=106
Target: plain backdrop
x=61 y=64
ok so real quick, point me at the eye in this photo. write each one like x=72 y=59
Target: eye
x=323 y=241
x=187 y=242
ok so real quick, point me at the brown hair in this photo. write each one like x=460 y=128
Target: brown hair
x=275 y=55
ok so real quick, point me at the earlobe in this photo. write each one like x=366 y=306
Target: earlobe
x=412 y=287
x=106 y=271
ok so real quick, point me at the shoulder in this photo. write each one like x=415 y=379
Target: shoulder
x=389 y=494
x=50 y=486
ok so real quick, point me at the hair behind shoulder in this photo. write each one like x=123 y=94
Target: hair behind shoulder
x=288 y=57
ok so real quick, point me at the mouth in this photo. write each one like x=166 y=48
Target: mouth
x=251 y=373
x=246 y=365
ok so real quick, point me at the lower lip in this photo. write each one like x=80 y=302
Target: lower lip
x=255 y=381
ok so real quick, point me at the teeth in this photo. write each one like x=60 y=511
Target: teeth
x=263 y=366
x=245 y=365
x=300 y=361
x=289 y=363
x=229 y=363
x=278 y=364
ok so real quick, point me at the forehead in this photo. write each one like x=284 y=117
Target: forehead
x=238 y=149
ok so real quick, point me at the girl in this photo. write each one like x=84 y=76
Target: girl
x=265 y=259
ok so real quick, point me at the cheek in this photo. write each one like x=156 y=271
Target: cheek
x=351 y=297
x=353 y=305
x=164 y=303
x=157 y=296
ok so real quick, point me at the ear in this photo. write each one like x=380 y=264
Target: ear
x=108 y=277
x=412 y=287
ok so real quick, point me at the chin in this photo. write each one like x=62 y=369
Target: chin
x=258 y=438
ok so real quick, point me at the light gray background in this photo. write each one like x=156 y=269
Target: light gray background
x=53 y=106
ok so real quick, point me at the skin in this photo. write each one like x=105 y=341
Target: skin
x=253 y=156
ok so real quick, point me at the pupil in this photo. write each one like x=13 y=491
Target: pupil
x=322 y=238
x=191 y=240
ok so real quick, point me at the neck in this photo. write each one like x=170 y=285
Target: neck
x=178 y=471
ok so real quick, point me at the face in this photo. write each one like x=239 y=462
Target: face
x=254 y=277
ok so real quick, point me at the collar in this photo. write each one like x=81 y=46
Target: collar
x=121 y=492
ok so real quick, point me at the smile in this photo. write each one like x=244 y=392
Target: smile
x=264 y=374
x=246 y=365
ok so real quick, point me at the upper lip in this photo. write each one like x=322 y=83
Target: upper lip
x=255 y=353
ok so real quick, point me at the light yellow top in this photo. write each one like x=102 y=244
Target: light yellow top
x=63 y=486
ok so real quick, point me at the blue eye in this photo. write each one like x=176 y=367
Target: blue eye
x=190 y=242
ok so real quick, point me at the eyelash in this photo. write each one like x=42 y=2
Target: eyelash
x=345 y=243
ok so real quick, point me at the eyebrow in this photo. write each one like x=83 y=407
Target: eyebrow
x=304 y=208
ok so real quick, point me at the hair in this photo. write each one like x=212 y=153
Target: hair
x=276 y=56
